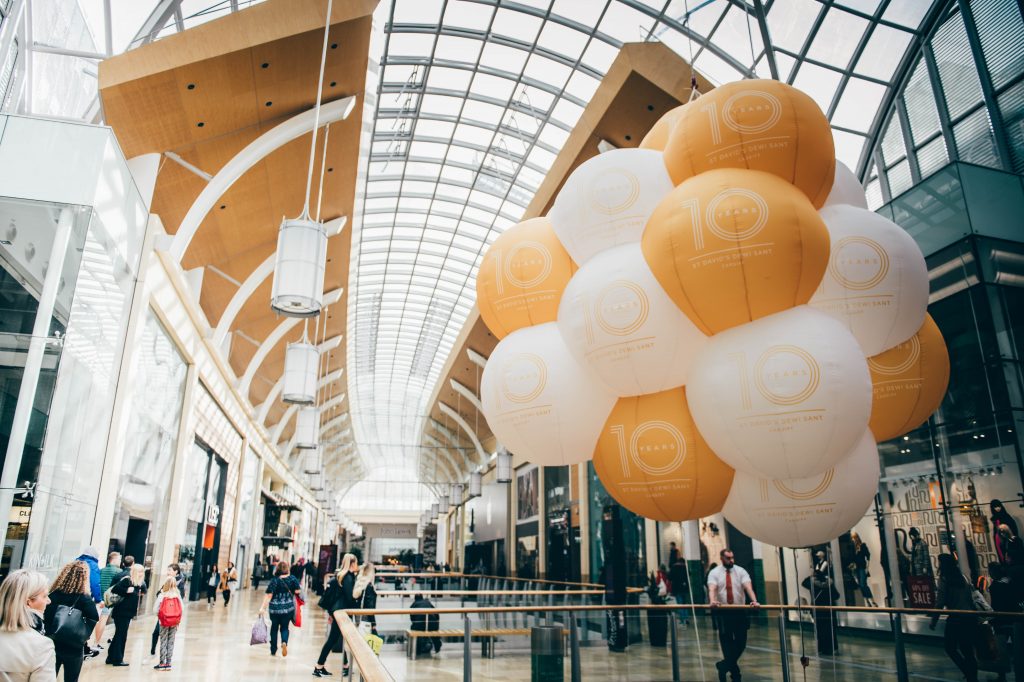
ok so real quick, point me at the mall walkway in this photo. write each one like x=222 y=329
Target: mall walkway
x=213 y=644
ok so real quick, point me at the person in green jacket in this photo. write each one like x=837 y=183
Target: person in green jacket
x=107 y=575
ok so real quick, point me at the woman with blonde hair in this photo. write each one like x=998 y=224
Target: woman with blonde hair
x=365 y=594
x=25 y=654
x=130 y=588
x=70 y=604
x=337 y=597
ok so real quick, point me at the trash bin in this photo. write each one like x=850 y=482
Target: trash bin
x=547 y=649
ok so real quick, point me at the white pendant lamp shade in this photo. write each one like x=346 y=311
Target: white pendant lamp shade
x=434 y=510
x=311 y=462
x=458 y=491
x=299 y=268
x=476 y=484
x=316 y=481
x=300 y=373
x=503 y=466
x=307 y=429
x=443 y=504
x=322 y=496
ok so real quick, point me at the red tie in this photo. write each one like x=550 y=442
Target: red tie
x=728 y=585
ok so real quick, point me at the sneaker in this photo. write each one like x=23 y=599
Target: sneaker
x=321 y=672
x=284 y=649
x=92 y=653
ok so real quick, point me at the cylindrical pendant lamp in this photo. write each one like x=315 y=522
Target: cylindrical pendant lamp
x=434 y=511
x=300 y=373
x=307 y=429
x=443 y=504
x=503 y=466
x=299 y=267
x=458 y=491
x=311 y=462
x=476 y=484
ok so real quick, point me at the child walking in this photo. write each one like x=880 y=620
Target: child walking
x=168 y=613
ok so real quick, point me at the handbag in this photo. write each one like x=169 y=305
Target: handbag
x=111 y=598
x=297 y=618
x=69 y=626
x=259 y=632
x=986 y=646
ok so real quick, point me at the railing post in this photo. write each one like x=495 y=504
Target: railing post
x=783 y=648
x=575 y=674
x=675 y=646
x=896 y=621
x=549 y=619
x=467 y=650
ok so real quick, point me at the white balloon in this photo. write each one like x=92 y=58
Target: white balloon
x=606 y=201
x=846 y=189
x=541 y=403
x=809 y=511
x=877 y=280
x=785 y=396
x=619 y=322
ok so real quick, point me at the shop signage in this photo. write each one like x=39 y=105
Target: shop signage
x=922 y=591
x=20 y=515
x=212 y=515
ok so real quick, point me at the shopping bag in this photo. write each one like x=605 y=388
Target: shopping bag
x=298 y=612
x=374 y=642
x=259 y=632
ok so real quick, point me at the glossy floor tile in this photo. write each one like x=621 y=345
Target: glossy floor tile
x=213 y=644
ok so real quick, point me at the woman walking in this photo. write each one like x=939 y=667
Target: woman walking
x=130 y=588
x=168 y=612
x=25 y=654
x=861 y=557
x=339 y=595
x=280 y=603
x=212 y=582
x=228 y=582
x=72 y=591
x=955 y=593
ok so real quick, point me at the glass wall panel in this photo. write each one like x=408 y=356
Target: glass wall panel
x=157 y=391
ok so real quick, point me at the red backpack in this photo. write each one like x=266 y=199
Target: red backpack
x=170 y=612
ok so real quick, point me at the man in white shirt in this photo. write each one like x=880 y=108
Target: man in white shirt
x=729 y=584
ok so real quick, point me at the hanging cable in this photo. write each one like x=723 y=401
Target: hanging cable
x=323 y=166
x=693 y=606
x=316 y=113
x=750 y=37
x=694 y=92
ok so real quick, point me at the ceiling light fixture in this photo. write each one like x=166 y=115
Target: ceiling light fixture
x=301 y=259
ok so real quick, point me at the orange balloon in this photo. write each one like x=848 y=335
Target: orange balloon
x=908 y=382
x=757 y=124
x=731 y=246
x=657 y=137
x=653 y=461
x=522 y=277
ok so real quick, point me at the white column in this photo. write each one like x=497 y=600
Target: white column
x=33 y=364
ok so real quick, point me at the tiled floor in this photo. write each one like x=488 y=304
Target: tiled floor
x=213 y=644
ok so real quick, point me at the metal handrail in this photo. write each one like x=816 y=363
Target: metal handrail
x=391 y=575
x=678 y=607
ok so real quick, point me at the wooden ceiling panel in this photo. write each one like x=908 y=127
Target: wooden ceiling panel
x=240 y=76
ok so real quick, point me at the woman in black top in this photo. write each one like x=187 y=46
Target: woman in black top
x=280 y=602
x=337 y=598
x=70 y=589
x=956 y=593
x=130 y=588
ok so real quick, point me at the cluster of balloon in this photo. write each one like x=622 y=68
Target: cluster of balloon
x=718 y=320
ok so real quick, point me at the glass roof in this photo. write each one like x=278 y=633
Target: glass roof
x=476 y=98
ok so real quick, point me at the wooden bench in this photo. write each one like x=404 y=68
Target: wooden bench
x=486 y=637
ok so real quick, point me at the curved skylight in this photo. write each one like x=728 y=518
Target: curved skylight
x=476 y=98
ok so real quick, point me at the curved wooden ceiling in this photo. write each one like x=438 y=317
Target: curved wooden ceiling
x=208 y=92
